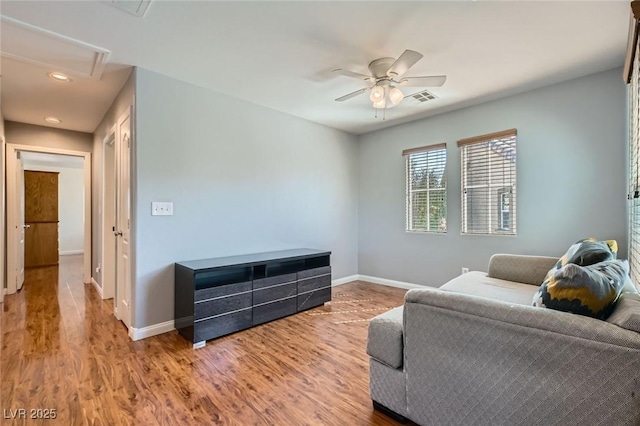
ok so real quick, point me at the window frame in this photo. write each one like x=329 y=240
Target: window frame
x=634 y=172
x=508 y=186
x=409 y=191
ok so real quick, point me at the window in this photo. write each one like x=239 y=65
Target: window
x=489 y=184
x=634 y=173
x=426 y=188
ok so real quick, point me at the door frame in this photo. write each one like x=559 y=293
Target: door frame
x=108 y=288
x=11 y=208
x=3 y=283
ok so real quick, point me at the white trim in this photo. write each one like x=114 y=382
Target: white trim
x=375 y=280
x=70 y=252
x=344 y=280
x=390 y=283
x=97 y=287
x=152 y=330
x=3 y=217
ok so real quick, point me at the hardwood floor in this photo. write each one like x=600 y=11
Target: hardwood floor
x=62 y=349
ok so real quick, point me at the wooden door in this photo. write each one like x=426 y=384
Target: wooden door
x=41 y=218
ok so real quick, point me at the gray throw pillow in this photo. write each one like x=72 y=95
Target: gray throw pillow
x=591 y=290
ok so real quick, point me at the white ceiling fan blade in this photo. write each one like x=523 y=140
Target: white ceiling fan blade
x=354 y=94
x=404 y=62
x=431 y=81
x=352 y=74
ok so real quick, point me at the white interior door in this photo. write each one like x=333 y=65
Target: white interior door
x=21 y=224
x=123 y=258
x=15 y=220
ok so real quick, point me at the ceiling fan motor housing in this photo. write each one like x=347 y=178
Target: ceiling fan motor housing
x=379 y=67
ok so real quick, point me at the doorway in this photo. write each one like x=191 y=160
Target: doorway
x=109 y=221
x=116 y=218
x=15 y=210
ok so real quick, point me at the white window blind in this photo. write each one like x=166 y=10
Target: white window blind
x=426 y=178
x=634 y=172
x=489 y=183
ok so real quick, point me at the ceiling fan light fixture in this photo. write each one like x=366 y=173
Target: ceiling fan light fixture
x=395 y=95
x=377 y=94
x=381 y=104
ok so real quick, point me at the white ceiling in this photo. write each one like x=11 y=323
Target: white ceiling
x=280 y=54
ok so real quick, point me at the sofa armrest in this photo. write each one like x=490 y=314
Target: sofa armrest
x=469 y=357
x=520 y=268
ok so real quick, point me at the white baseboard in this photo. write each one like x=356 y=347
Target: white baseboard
x=152 y=330
x=344 y=280
x=390 y=283
x=97 y=287
x=69 y=252
x=375 y=280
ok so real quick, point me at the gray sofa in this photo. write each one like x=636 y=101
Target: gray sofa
x=475 y=352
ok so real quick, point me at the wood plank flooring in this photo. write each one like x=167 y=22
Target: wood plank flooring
x=61 y=348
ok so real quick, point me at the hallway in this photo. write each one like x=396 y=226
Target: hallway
x=53 y=332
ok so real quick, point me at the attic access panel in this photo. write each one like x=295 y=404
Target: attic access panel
x=35 y=45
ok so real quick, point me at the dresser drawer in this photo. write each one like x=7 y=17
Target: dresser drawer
x=323 y=270
x=277 y=292
x=223 y=290
x=221 y=325
x=278 y=279
x=271 y=311
x=313 y=298
x=222 y=305
x=314 y=283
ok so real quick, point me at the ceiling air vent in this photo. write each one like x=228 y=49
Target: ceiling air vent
x=134 y=7
x=421 y=97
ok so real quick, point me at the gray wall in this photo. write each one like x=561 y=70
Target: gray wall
x=243 y=179
x=123 y=100
x=48 y=137
x=571 y=180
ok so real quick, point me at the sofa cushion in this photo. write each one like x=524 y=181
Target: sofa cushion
x=520 y=268
x=477 y=283
x=627 y=312
x=591 y=290
x=385 y=341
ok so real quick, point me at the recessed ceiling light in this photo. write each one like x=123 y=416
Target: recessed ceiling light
x=53 y=120
x=58 y=76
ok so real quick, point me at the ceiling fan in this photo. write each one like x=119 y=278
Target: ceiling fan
x=385 y=73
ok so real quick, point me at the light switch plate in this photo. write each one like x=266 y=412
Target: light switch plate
x=161 y=208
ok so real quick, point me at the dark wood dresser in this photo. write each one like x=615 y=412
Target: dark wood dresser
x=214 y=297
